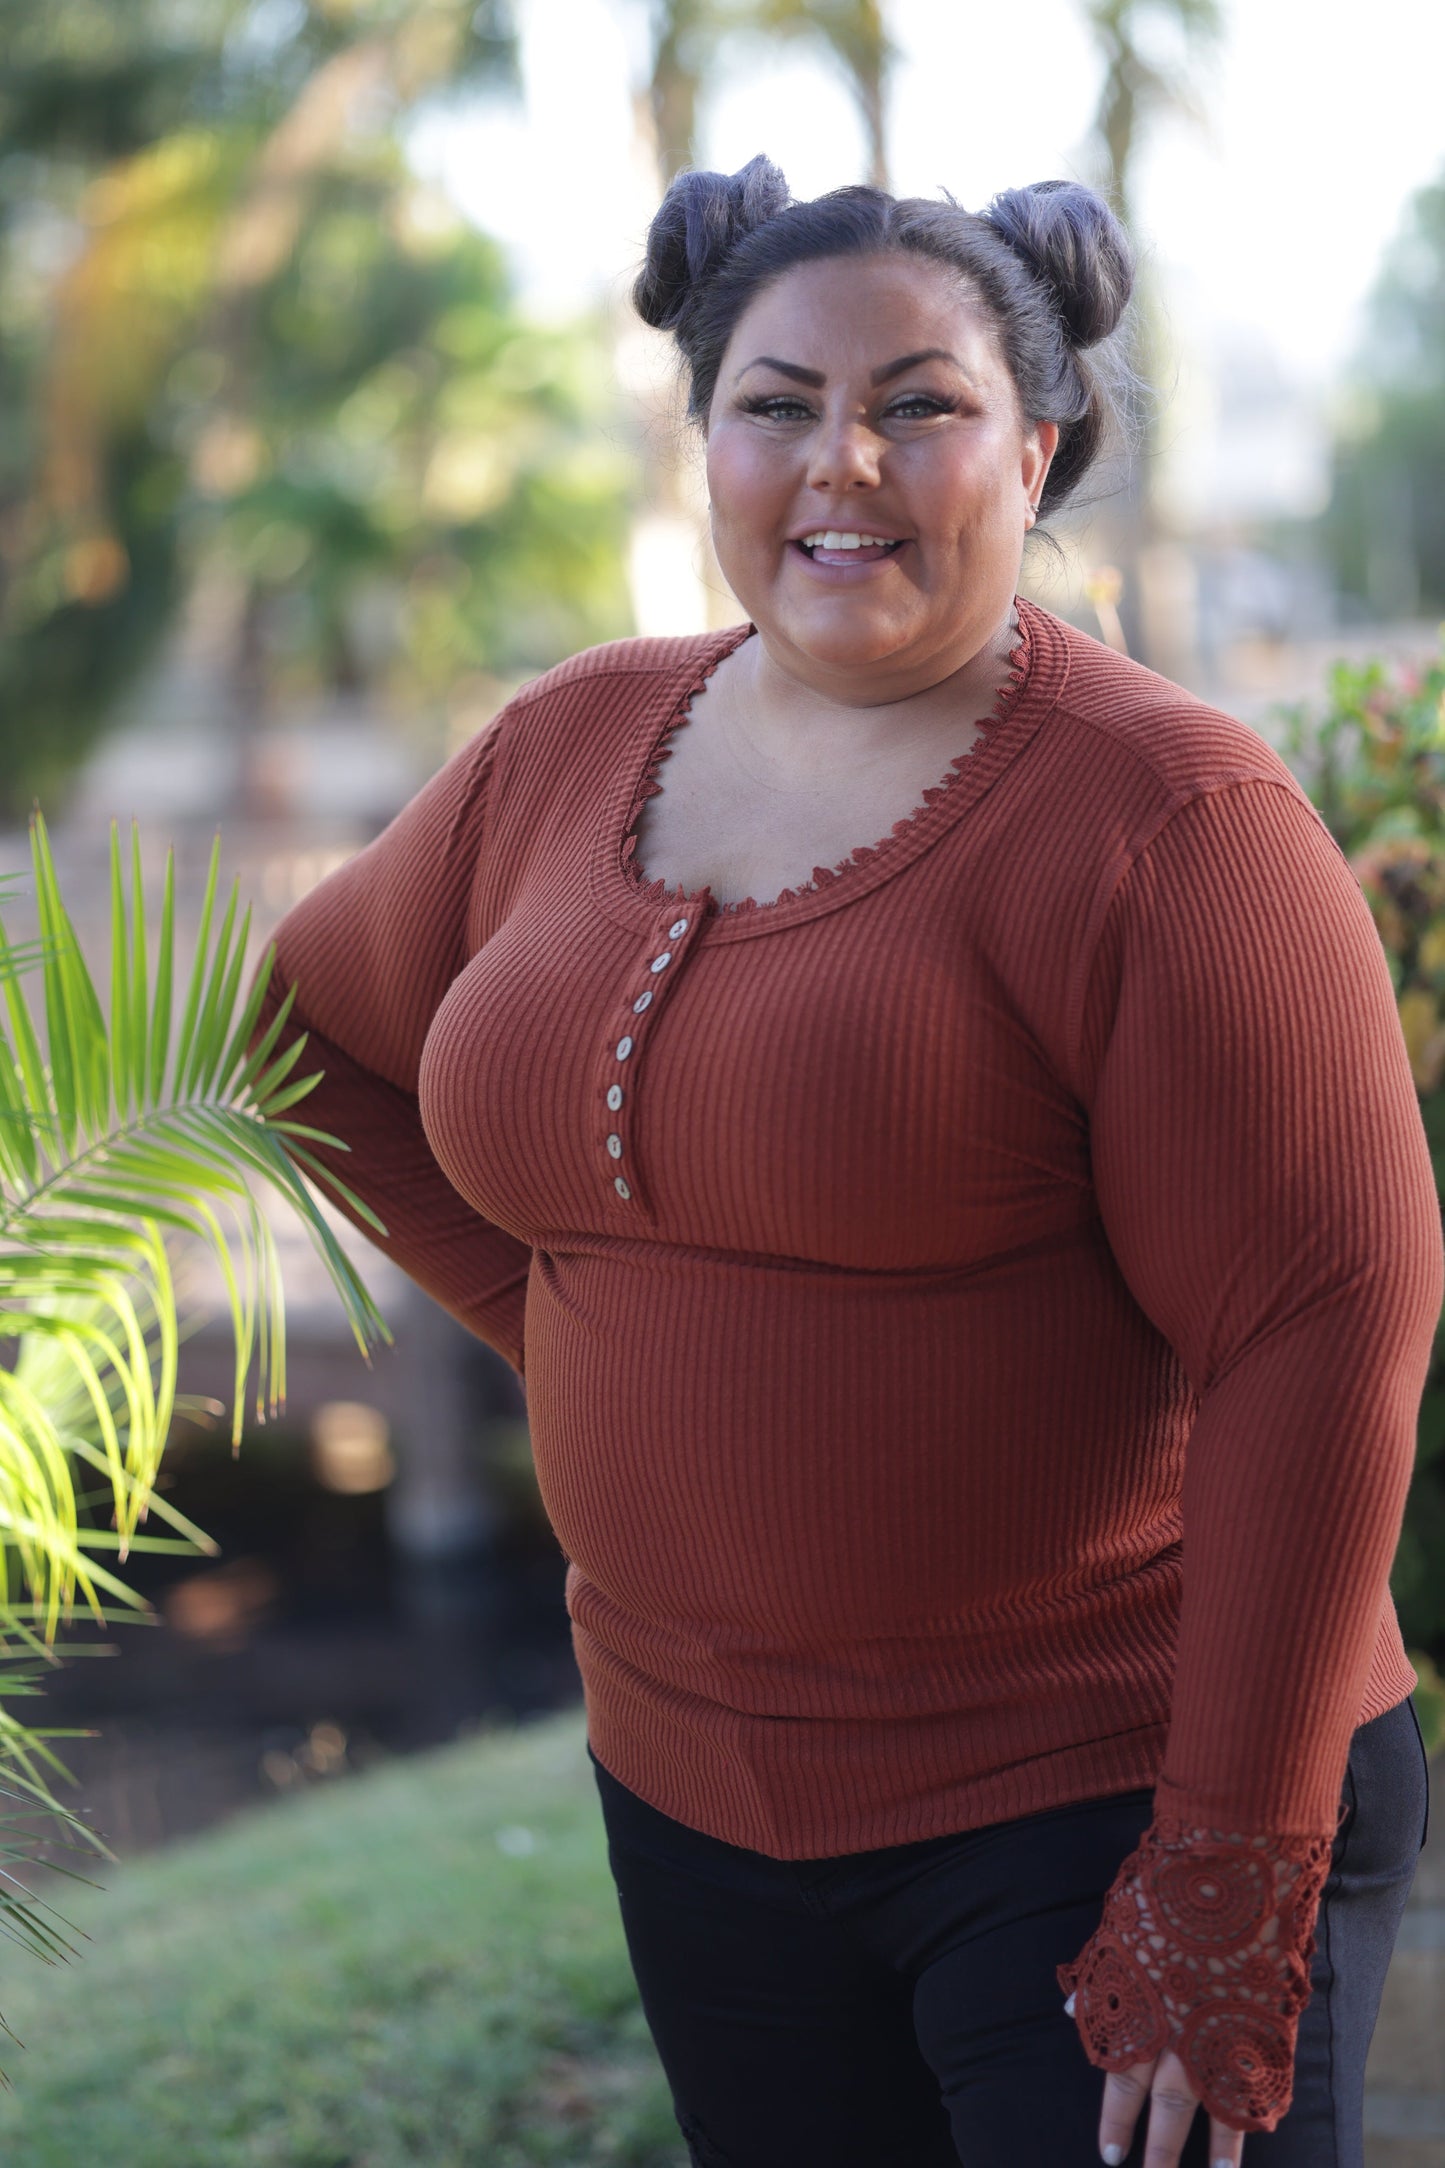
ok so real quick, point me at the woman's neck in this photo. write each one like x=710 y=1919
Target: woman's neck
x=790 y=716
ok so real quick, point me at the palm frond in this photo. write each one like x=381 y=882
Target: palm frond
x=126 y=1146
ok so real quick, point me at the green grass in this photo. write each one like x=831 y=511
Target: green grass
x=360 y=1976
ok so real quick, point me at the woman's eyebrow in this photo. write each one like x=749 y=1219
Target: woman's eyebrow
x=906 y=361
x=879 y=376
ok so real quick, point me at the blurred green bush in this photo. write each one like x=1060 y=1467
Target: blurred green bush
x=1372 y=757
x=256 y=377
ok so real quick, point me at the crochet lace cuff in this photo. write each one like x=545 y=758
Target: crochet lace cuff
x=1204 y=1947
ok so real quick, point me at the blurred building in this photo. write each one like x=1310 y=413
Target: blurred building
x=1234 y=597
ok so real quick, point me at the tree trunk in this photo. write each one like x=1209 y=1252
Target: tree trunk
x=673 y=575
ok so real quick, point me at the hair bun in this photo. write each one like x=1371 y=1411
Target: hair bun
x=1070 y=238
x=696 y=226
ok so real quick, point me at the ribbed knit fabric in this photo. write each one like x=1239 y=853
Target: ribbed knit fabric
x=974 y=1364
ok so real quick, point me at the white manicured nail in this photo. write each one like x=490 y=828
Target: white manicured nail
x=1069 y=2007
x=1113 y=2154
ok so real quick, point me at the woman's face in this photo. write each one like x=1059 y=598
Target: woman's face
x=870 y=394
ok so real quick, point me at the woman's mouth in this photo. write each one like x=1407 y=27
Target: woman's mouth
x=834 y=547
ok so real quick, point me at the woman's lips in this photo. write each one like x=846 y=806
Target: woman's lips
x=858 y=563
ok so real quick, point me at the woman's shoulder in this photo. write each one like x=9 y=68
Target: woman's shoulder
x=575 y=730
x=578 y=718
x=1157 y=740
x=621 y=669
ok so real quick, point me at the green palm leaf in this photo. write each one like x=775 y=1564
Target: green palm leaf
x=122 y=1147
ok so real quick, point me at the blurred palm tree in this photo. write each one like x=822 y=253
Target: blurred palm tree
x=1151 y=51
x=853 y=33
x=688 y=38
x=121 y=1143
x=689 y=35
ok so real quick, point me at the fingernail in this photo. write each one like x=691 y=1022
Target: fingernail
x=1113 y=2154
x=1069 y=2007
x=1223 y=2163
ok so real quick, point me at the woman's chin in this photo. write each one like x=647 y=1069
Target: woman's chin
x=842 y=637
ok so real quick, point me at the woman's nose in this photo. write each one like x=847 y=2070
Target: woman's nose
x=844 y=453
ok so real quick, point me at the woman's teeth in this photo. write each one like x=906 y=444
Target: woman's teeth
x=833 y=538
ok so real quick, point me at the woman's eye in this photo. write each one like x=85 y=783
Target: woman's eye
x=920 y=404
x=770 y=406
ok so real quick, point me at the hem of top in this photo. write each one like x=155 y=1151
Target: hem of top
x=1038 y=670
x=1086 y=1770
x=1092 y=1770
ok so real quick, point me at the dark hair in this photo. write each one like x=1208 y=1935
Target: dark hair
x=1050 y=263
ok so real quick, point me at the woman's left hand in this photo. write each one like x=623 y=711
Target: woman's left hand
x=1173 y=2105
x=1190 y=1989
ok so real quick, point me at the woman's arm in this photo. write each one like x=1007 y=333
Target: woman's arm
x=1264 y=1181
x=372 y=951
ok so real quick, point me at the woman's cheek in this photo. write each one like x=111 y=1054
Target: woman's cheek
x=742 y=480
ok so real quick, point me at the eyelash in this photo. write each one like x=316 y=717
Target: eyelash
x=768 y=403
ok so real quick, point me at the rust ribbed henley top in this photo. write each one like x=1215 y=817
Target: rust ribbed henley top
x=974 y=1308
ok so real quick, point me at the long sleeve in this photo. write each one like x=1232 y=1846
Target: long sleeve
x=1263 y=1179
x=372 y=950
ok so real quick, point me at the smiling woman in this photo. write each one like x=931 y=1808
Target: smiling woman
x=888 y=403
x=948 y=1169
x=930 y=448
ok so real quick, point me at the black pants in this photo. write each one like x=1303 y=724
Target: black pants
x=898 y=2008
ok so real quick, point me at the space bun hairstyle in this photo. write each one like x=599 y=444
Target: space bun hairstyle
x=1051 y=264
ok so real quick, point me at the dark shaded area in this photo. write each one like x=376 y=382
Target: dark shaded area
x=310 y=1648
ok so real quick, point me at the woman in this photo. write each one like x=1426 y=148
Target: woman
x=948 y=1169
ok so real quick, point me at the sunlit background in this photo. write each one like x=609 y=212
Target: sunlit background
x=325 y=424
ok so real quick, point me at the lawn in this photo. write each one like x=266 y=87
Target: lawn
x=422 y=1966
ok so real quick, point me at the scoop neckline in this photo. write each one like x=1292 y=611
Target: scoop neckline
x=1037 y=662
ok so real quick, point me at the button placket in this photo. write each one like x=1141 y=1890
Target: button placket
x=640 y=1003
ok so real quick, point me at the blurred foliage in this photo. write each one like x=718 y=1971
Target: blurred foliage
x=1429 y=1700
x=1385 y=525
x=245 y=357
x=1373 y=760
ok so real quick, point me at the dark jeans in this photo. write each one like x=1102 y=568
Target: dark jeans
x=898 y=2008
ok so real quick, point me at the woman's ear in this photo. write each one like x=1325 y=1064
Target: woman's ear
x=1040 y=445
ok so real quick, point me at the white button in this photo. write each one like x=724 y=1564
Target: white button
x=641 y=1002
x=614 y=1096
x=660 y=963
x=677 y=929
x=624 y=1048
x=621 y=1187
x=614 y=1145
